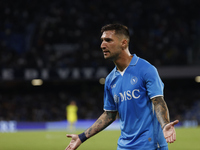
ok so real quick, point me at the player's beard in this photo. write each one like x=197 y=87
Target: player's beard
x=112 y=56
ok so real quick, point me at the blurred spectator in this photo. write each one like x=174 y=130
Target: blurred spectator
x=65 y=33
x=48 y=103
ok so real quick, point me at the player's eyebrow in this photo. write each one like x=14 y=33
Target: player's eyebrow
x=106 y=39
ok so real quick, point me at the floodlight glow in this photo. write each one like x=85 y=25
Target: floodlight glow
x=102 y=80
x=197 y=79
x=37 y=82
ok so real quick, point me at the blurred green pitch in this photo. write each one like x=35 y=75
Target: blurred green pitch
x=187 y=139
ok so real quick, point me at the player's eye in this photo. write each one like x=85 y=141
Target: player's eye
x=107 y=40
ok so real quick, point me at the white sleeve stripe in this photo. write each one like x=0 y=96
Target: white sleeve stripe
x=109 y=110
x=153 y=108
x=155 y=96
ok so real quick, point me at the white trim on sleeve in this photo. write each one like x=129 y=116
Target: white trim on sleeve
x=155 y=96
x=109 y=110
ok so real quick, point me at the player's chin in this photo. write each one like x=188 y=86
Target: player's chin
x=106 y=56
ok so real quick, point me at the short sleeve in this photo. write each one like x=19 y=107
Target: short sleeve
x=154 y=83
x=109 y=103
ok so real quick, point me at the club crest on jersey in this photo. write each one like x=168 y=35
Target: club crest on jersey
x=134 y=80
x=113 y=86
x=116 y=98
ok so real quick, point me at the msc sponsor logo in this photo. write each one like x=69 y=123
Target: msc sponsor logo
x=127 y=95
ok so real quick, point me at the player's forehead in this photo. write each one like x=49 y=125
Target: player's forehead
x=108 y=34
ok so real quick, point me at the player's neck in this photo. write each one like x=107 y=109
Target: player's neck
x=123 y=62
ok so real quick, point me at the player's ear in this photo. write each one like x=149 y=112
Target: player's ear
x=124 y=43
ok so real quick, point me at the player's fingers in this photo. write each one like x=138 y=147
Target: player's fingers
x=174 y=136
x=69 y=135
x=172 y=139
x=175 y=122
x=168 y=140
x=68 y=147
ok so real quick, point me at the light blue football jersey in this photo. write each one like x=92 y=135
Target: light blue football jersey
x=130 y=94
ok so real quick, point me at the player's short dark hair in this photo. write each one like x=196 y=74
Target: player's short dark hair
x=119 y=29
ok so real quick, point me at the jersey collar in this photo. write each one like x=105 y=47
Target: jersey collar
x=134 y=60
x=132 y=63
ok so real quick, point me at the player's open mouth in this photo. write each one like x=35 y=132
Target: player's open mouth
x=105 y=52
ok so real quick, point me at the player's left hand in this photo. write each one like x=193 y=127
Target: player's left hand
x=169 y=132
x=75 y=142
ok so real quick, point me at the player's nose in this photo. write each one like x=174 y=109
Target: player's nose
x=103 y=45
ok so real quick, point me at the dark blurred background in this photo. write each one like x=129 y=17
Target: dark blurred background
x=58 y=41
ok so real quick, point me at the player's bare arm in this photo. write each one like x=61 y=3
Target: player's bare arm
x=163 y=117
x=161 y=110
x=102 y=122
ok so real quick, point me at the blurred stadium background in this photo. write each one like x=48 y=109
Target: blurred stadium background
x=58 y=42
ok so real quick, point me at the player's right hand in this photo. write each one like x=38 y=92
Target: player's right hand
x=75 y=142
x=169 y=132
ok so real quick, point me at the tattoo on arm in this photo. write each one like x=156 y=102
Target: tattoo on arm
x=102 y=122
x=161 y=110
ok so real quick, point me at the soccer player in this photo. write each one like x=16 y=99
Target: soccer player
x=71 y=114
x=135 y=91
